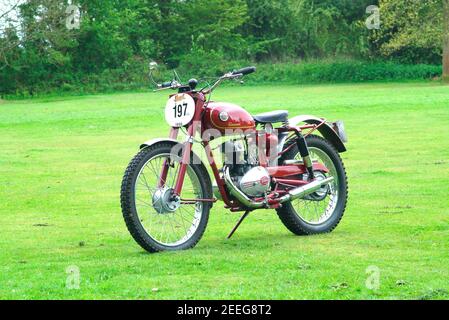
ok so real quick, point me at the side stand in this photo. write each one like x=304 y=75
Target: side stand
x=238 y=224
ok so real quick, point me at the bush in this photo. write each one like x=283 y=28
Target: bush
x=133 y=75
x=345 y=71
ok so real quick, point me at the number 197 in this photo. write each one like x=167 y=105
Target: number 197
x=180 y=110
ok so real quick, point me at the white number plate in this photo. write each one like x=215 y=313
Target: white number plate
x=179 y=110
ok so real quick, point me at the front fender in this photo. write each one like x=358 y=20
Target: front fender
x=174 y=142
x=326 y=130
x=151 y=142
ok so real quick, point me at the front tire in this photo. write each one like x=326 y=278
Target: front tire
x=317 y=214
x=156 y=227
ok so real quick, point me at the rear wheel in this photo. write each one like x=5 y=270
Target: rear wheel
x=321 y=211
x=156 y=219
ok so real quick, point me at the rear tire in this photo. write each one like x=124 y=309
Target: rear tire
x=290 y=216
x=134 y=222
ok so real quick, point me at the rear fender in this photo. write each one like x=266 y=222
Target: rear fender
x=326 y=130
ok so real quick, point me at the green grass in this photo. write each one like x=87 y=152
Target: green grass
x=61 y=166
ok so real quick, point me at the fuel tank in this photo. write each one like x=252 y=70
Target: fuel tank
x=227 y=117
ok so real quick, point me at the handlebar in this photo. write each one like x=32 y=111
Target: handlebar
x=230 y=75
x=244 y=71
x=166 y=85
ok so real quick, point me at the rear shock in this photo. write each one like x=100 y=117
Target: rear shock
x=305 y=155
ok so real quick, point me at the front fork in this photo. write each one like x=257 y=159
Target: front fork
x=186 y=151
x=164 y=172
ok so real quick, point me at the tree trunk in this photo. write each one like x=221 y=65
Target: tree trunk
x=446 y=41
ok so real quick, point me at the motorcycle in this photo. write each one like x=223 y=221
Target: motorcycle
x=268 y=161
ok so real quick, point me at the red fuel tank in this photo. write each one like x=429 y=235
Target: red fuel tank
x=227 y=117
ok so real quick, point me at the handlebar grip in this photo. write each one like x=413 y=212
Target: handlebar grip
x=245 y=71
x=166 y=85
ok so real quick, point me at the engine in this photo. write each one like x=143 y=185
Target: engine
x=247 y=175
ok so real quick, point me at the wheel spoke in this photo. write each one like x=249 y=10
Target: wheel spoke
x=319 y=211
x=170 y=228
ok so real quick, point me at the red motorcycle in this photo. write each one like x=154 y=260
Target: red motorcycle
x=167 y=193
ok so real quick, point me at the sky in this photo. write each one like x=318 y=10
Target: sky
x=6 y=5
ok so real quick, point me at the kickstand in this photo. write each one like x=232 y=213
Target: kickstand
x=238 y=224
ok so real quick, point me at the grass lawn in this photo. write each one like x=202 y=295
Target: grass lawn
x=62 y=161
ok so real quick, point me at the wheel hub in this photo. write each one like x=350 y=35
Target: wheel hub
x=321 y=193
x=164 y=201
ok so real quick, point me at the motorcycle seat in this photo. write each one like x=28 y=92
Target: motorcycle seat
x=271 y=117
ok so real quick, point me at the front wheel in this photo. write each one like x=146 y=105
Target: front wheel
x=157 y=220
x=321 y=211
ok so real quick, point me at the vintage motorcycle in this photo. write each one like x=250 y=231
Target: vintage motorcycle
x=167 y=193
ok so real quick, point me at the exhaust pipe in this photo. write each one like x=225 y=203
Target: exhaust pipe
x=305 y=190
x=292 y=195
x=239 y=195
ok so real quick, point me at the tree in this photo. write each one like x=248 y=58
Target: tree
x=8 y=33
x=38 y=52
x=288 y=29
x=413 y=31
x=446 y=42
x=34 y=45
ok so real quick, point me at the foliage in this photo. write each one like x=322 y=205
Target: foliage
x=343 y=71
x=134 y=77
x=411 y=31
x=117 y=39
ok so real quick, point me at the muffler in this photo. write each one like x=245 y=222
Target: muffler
x=294 y=194
x=305 y=190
